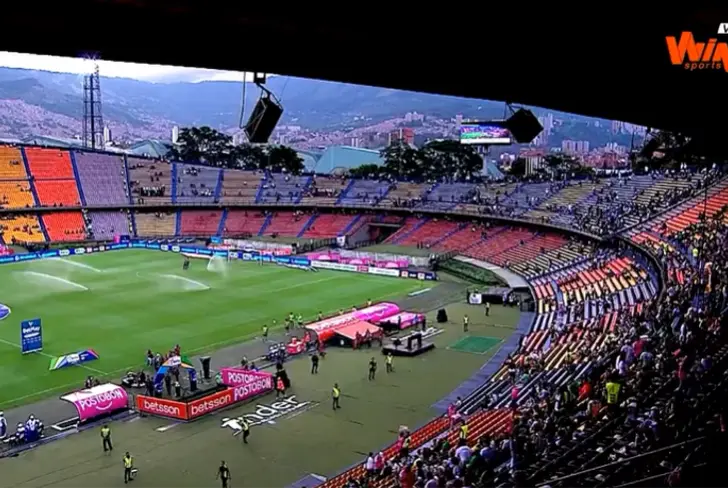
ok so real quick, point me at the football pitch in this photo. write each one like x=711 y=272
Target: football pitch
x=122 y=303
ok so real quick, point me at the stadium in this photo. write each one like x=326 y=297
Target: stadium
x=589 y=284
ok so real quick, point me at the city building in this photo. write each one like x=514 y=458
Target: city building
x=107 y=135
x=403 y=134
x=573 y=148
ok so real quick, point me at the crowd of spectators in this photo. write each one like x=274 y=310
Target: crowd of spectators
x=652 y=396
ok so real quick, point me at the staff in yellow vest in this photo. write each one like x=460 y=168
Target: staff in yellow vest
x=389 y=361
x=335 y=394
x=128 y=466
x=106 y=438
x=613 y=389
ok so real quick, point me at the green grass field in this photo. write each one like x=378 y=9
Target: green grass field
x=122 y=303
x=316 y=440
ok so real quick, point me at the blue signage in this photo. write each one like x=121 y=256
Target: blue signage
x=73 y=359
x=31 y=336
x=4 y=311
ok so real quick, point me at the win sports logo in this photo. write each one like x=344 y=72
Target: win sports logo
x=698 y=56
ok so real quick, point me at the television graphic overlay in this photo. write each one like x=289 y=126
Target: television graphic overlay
x=31 y=336
x=485 y=133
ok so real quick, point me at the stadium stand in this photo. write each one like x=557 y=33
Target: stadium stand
x=16 y=194
x=244 y=223
x=499 y=243
x=21 y=228
x=239 y=187
x=203 y=223
x=528 y=250
x=364 y=192
x=102 y=178
x=446 y=196
x=107 y=225
x=156 y=224
x=430 y=233
x=410 y=225
x=288 y=224
x=64 y=226
x=11 y=164
x=324 y=191
x=278 y=188
x=328 y=225
x=57 y=193
x=53 y=177
x=402 y=193
x=150 y=181
x=49 y=164
x=196 y=184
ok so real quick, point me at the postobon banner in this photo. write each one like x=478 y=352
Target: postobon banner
x=475 y=298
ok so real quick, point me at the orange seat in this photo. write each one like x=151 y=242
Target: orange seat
x=64 y=226
x=21 y=228
x=11 y=164
x=200 y=222
x=15 y=194
x=49 y=163
x=58 y=192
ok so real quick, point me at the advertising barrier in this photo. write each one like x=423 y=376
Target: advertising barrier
x=73 y=359
x=265 y=255
x=403 y=320
x=358 y=261
x=31 y=336
x=242 y=385
x=99 y=400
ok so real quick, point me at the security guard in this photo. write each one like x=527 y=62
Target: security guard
x=106 y=438
x=128 y=465
x=390 y=359
x=335 y=394
x=246 y=429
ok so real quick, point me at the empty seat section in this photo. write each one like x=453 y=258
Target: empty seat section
x=464 y=238
x=328 y=225
x=15 y=194
x=243 y=223
x=150 y=180
x=102 y=178
x=156 y=224
x=282 y=188
x=287 y=224
x=64 y=226
x=365 y=192
x=429 y=233
x=57 y=192
x=403 y=192
x=11 y=164
x=324 y=190
x=495 y=245
x=21 y=228
x=49 y=163
x=196 y=184
x=530 y=249
x=106 y=225
x=200 y=222
x=409 y=225
x=240 y=186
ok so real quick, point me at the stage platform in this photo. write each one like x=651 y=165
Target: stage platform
x=404 y=352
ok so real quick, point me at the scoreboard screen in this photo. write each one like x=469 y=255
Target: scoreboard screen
x=485 y=133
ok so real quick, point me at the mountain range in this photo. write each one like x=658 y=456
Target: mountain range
x=48 y=103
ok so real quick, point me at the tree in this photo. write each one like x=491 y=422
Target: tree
x=401 y=161
x=518 y=167
x=448 y=159
x=284 y=159
x=202 y=144
x=248 y=157
x=366 y=171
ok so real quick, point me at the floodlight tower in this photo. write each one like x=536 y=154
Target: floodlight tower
x=93 y=121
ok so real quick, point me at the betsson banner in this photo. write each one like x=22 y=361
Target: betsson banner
x=249 y=384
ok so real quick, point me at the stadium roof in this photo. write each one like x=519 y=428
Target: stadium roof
x=151 y=147
x=346 y=157
x=613 y=64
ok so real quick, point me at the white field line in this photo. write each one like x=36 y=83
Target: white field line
x=97 y=371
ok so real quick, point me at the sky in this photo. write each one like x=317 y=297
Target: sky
x=115 y=69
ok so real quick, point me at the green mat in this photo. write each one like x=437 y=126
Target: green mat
x=475 y=345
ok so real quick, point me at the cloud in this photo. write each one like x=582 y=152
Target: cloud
x=115 y=69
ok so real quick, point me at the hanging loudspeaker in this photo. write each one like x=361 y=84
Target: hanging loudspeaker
x=524 y=126
x=263 y=120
